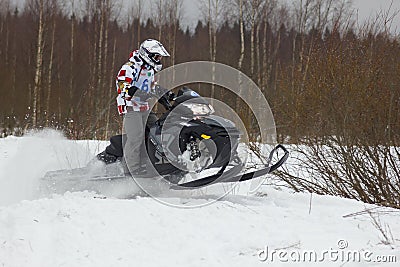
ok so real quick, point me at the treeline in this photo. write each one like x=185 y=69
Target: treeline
x=321 y=75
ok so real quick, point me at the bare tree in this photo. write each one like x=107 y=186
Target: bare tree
x=50 y=70
x=4 y=7
x=4 y=10
x=320 y=14
x=110 y=92
x=213 y=12
x=90 y=9
x=173 y=11
x=253 y=12
x=71 y=58
x=39 y=63
x=138 y=15
x=273 y=17
x=242 y=49
x=158 y=15
x=167 y=14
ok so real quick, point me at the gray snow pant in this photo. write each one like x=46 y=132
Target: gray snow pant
x=134 y=149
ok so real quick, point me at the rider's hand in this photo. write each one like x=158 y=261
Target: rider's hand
x=132 y=90
x=170 y=95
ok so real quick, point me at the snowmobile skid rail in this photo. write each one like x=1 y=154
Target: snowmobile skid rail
x=225 y=177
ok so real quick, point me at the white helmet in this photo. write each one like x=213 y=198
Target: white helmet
x=151 y=51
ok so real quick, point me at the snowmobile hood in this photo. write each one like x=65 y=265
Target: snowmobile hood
x=217 y=121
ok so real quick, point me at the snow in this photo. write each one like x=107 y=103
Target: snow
x=88 y=229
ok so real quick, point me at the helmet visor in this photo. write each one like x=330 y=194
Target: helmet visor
x=156 y=57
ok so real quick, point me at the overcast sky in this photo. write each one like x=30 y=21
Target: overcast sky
x=366 y=9
x=369 y=8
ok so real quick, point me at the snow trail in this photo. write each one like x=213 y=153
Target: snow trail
x=24 y=160
x=87 y=229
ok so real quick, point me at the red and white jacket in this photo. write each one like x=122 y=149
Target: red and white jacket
x=134 y=73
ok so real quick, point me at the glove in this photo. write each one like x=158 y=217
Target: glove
x=132 y=90
x=170 y=95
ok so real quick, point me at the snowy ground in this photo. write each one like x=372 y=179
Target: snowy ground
x=85 y=229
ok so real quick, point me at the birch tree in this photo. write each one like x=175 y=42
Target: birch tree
x=254 y=12
x=214 y=13
x=50 y=72
x=273 y=17
x=159 y=16
x=72 y=58
x=4 y=26
x=173 y=16
x=38 y=67
x=137 y=11
x=242 y=50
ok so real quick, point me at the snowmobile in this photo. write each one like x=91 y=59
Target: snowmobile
x=187 y=138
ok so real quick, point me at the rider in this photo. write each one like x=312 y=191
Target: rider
x=135 y=85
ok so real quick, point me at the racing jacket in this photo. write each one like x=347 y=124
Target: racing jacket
x=135 y=73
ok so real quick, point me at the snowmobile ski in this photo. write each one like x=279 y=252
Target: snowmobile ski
x=222 y=177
